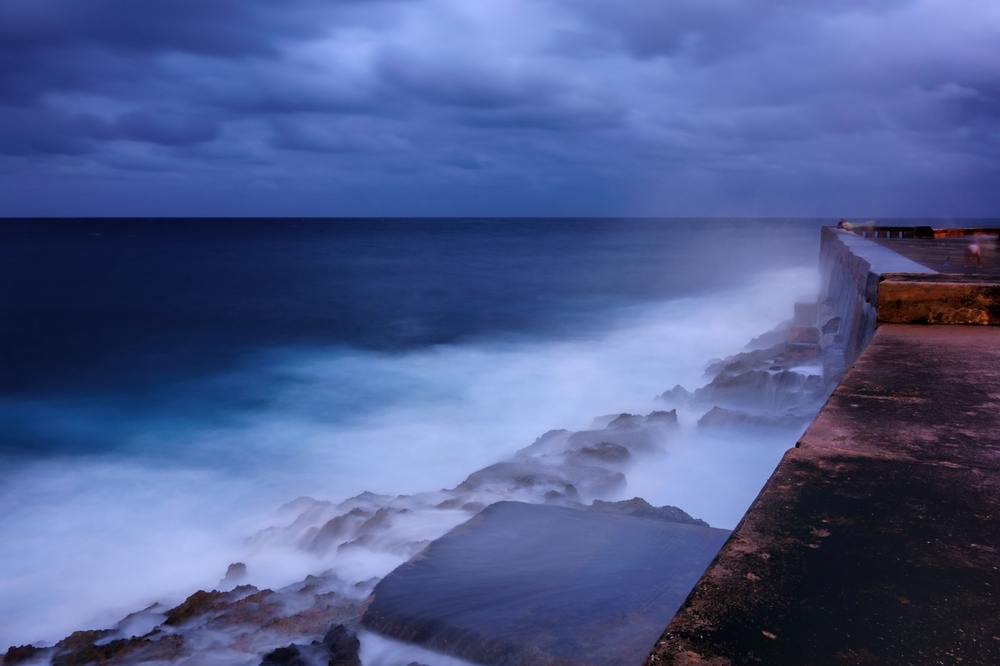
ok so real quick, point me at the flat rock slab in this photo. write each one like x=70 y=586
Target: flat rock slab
x=849 y=559
x=524 y=584
x=927 y=393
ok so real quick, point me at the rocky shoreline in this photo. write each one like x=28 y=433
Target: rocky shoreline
x=780 y=381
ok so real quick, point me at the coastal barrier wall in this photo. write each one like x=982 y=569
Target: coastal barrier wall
x=852 y=268
x=875 y=539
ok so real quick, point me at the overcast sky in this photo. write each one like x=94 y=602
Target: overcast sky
x=500 y=107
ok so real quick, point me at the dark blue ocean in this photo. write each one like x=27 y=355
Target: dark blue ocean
x=165 y=385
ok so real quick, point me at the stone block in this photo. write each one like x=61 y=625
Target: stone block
x=805 y=314
x=533 y=585
x=804 y=334
x=799 y=352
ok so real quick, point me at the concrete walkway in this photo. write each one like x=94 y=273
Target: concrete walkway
x=877 y=539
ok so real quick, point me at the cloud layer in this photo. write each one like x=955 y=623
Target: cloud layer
x=512 y=107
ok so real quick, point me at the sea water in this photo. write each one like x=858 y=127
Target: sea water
x=167 y=385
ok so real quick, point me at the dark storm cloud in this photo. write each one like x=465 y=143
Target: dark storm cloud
x=508 y=107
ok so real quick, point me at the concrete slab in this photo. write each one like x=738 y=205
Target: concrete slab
x=919 y=392
x=850 y=559
x=524 y=585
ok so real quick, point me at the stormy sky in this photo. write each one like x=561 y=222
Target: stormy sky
x=500 y=107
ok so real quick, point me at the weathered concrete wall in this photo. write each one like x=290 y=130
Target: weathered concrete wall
x=876 y=540
x=852 y=268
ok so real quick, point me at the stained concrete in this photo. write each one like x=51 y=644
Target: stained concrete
x=928 y=393
x=877 y=540
x=938 y=299
x=849 y=559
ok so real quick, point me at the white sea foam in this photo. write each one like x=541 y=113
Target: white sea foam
x=87 y=540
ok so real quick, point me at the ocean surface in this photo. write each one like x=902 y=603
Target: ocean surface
x=167 y=385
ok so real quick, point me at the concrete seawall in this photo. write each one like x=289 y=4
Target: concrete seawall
x=877 y=538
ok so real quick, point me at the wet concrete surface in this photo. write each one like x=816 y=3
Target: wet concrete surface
x=919 y=392
x=527 y=584
x=877 y=540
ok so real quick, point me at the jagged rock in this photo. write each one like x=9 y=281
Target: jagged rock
x=663 y=418
x=343 y=645
x=605 y=452
x=717 y=417
x=626 y=422
x=640 y=508
x=202 y=602
x=678 y=395
x=504 y=478
x=744 y=361
x=151 y=647
x=763 y=390
x=285 y=656
x=337 y=528
x=236 y=572
x=802 y=352
x=15 y=655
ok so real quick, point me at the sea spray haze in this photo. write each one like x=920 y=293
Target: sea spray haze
x=167 y=385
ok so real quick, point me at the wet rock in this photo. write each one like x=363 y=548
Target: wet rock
x=764 y=390
x=662 y=418
x=337 y=529
x=678 y=396
x=285 y=656
x=152 y=647
x=605 y=452
x=343 y=645
x=804 y=334
x=744 y=361
x=15 y=655
x=202 y=602
x=538 y=477
x=640 y=508
x=236 y=572
x=831 y=326
x=717 y=417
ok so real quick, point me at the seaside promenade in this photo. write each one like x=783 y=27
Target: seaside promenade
x=877 y=538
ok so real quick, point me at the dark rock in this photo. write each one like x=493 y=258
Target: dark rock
x=678 y=395
x=15 y=655
x=236 y=572
x=744 y=361
x=591 y=480
x=605 y=452
x=343 y=645
x=662 y=418
x=454 y=503
x=831 y=326
x=764 y=390
x=640 y=508
x=201 y=603
x=146 y=648
x=338 y=528
x=626 y=422
x=717 y=417
x=285 y=656
x=529 y=584
x=800 y=352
